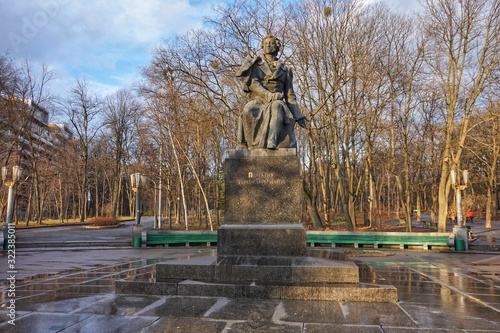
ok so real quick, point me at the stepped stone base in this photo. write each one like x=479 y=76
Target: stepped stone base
x=263 y=270
x=266 y=277
x=316 y=292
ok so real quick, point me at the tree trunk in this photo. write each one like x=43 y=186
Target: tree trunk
x=311 y=209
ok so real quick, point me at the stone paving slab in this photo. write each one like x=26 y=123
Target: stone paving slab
x=452 y=316
x=185 y=325
x=43 y=322
x=437 y=292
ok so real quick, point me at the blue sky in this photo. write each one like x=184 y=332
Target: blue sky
x=104 y=42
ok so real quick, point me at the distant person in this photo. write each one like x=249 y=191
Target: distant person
x=469 y=217
x=268 y=119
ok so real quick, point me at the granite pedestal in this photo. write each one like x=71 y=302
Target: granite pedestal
x=261 y=248
x=263 y=198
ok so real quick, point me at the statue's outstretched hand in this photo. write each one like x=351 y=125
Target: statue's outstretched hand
x=302 y=122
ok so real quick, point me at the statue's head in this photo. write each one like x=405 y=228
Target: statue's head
x=272 y=41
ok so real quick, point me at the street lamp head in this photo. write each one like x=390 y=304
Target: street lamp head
x=465 y=175
x=135 y=180
x=453 y=175
x=138 y=181
x=16 y=173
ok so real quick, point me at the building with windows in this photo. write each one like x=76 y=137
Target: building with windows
x=28 y=140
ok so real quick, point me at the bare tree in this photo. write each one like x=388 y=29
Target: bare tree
x=121 y=117
x=321 y=65
x=9 y=81
x=33 y=146
x=402 y=62
x=483 y=152
x=83 y=109
x=462 y=53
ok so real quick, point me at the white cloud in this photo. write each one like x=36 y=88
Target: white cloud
x=105 y=41
x=398 y=5
x=102 y=41
x=95 y=22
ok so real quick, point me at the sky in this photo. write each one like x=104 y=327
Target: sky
x=400 y=5
x=104 y=42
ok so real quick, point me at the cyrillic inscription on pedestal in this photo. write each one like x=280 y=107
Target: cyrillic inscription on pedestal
x=263 y=189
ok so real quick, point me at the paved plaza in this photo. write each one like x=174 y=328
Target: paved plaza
x=72 y=289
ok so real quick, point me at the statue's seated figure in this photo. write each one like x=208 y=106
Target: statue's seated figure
x=268 y=119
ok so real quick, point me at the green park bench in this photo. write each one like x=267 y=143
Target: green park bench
x=333 y=238
x=378 y=239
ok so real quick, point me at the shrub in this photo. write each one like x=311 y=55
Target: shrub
x=105 y=221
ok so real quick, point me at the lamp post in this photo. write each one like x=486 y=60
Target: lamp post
x=138 y=182
x=155 y=216
x=10 y=182
x=459 y=229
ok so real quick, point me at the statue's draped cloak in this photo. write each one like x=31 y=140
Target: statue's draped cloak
x=260 y=81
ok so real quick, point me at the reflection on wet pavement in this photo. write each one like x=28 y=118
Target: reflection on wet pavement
x=436 y=291
x=441 y=290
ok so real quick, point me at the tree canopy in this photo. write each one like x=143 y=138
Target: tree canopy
x=394 y=102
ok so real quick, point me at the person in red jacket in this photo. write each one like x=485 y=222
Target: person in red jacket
x=469 y=216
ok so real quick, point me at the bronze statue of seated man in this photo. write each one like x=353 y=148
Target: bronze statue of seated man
x=269 y=118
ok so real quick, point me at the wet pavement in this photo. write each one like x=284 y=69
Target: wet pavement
x=73 y=290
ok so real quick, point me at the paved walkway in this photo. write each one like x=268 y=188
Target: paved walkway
x=485 y=239
x=72 y=290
